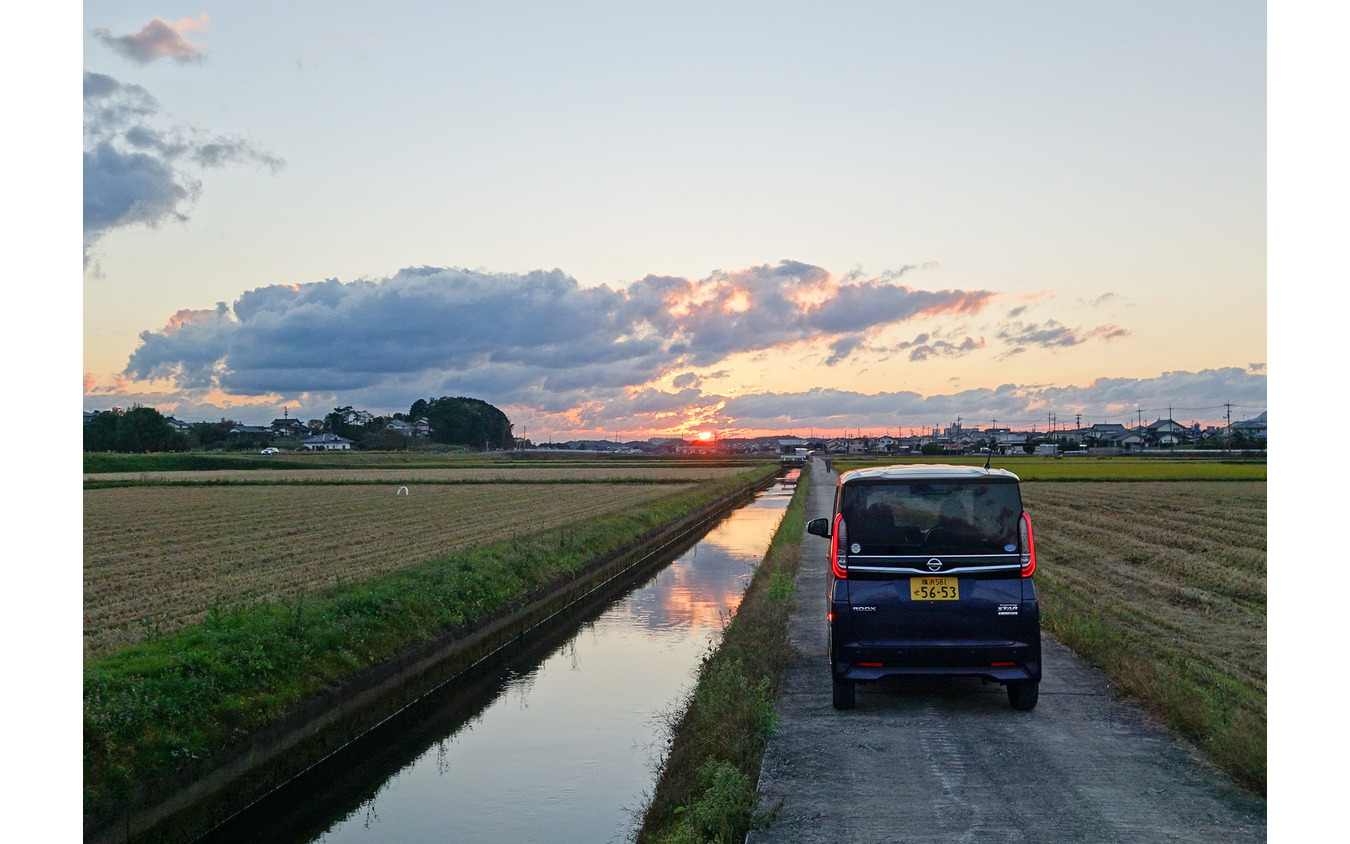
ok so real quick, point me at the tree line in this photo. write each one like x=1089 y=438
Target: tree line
x=454 y=420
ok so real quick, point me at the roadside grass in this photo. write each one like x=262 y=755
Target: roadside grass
x=706 y=788
x=1163 y=586
x=187 y=694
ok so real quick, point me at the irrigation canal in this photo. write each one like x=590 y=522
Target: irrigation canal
x=560 y=744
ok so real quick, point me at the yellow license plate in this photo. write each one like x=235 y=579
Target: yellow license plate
x=933 y=589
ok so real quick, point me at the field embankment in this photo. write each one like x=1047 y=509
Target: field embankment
x=1163 y=586
x=262 y=598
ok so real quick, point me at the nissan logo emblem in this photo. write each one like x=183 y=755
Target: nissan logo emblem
x=934 y=564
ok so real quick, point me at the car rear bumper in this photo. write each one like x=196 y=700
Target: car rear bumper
x=998 y=663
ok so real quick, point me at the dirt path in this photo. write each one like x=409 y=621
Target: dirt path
x=952 y=762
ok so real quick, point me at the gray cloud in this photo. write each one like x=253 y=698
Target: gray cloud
x=157 y=39
x=842 y=348
x=562 y=357
x=924 y=347
x=523 y=336
x=1192 y=396
x=1049 y=335
x=1053 y=335
x=138 y=173
x=125 y=188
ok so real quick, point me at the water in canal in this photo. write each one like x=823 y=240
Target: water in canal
x=558 y=748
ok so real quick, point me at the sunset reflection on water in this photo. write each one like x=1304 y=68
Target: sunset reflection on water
x=567 y=750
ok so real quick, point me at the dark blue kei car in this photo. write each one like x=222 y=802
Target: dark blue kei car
x=932 y=577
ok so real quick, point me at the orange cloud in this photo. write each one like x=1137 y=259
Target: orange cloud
x=188 y=316
x=1108 y=332
x=157 y=39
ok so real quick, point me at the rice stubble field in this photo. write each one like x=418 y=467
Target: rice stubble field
x=157 y=558
x=1163 y=585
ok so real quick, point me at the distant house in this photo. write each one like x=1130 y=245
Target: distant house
x=1254 y=428
x=1106 y=434
x=398 y=426
x=288 y=428
x=1165 y=432
x=326 y=442
x=1132 y=439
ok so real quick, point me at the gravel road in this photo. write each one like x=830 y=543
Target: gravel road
x=953 y=762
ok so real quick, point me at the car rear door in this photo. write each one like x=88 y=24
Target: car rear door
x=932 y=564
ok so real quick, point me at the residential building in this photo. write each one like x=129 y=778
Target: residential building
x=326 y=442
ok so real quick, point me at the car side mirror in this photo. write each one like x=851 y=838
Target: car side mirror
x=818 y=527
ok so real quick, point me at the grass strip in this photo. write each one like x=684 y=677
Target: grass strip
x=706 y=788
x=187 y=695
x=1096 y=468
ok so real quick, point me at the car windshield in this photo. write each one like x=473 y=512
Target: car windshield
x=932 y=518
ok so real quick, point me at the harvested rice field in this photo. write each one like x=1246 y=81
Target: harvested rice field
x=532 y=473
x=1178 y=563
x=157 y=558
x=1164 y=586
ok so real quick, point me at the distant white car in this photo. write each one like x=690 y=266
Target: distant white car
x=269 y=451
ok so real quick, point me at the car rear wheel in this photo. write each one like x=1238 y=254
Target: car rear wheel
x=844 y=694
x=1023 y=695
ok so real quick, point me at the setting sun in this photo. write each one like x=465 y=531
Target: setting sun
x=704 y=436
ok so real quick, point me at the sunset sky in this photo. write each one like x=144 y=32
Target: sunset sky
x=647 y=220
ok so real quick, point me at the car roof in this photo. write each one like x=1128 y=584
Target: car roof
x=909 y=472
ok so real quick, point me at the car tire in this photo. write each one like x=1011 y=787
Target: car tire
x=845 y=694
x=1024 y=694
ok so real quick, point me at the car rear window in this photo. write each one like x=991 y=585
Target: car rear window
x=932 y=518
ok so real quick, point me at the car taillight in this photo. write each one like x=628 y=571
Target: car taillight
x=838 y=542
x=1028 y=546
